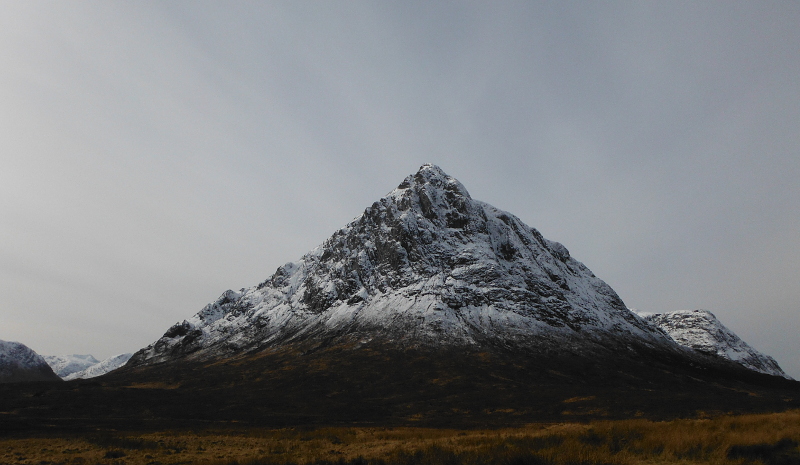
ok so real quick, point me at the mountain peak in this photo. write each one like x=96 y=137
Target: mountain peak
x=434 y=193
x=426 y=264
x=431 y=177
x=429 y=170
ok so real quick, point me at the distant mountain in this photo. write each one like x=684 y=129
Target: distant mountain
x=702 y=331
x=100 y=368
x=65 y=365
x=425 y=266
x=75 y=366
x=20 y=363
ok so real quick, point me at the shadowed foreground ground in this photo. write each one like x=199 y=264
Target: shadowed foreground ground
x=390 y=388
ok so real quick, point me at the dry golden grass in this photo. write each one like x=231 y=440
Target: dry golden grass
x=696 y=441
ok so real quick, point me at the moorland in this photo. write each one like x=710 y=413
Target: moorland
x=771 y=439
x=384 y=407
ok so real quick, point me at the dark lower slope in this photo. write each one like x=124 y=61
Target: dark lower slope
x=15 y=374
x=385 y=386
x=19 y=363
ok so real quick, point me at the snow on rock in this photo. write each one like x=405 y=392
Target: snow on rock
x=20 y=363
x=425 y=265
x=703 y=332
x=100 y=368
x=65 y=365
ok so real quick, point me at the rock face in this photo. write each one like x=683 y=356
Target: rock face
x=426 y=265
x=100 y=368
x=65 y=365
x=703 y=332
x=19 y=363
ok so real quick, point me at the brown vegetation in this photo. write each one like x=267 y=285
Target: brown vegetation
x=771 y=439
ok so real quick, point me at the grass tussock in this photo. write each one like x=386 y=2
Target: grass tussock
x=769 y=439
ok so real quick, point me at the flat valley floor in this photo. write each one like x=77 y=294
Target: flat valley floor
x=771 y=439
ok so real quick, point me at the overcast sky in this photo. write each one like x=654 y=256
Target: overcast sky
x=155 y=154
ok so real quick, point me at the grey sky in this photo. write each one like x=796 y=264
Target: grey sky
x=155 y=154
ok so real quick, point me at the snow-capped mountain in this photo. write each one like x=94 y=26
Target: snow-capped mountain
x=100 y=368
x=430 y=308
x=65 y=365
x=702 y=331
x=20 y=363
x=424 y=265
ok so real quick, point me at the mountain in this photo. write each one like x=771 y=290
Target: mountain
x=65 y=365
x=20 y=363
x=425 y=266
x=702 y=331
x=100 y=368
x=429 y=309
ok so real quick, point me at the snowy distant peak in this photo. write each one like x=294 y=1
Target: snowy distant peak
x=75 y=366
x=65 y=365
x=20 y=363
x=426 y=264
x=702 y=331
x=100 y=368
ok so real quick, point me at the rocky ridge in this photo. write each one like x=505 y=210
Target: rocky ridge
x=702 y=331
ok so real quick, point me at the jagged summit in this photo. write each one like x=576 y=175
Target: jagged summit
x=703 y=332
x=425 y=265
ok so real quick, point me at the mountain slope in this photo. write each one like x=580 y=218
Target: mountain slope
x=20 y=363
x=702 y=331
x=426 y=265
